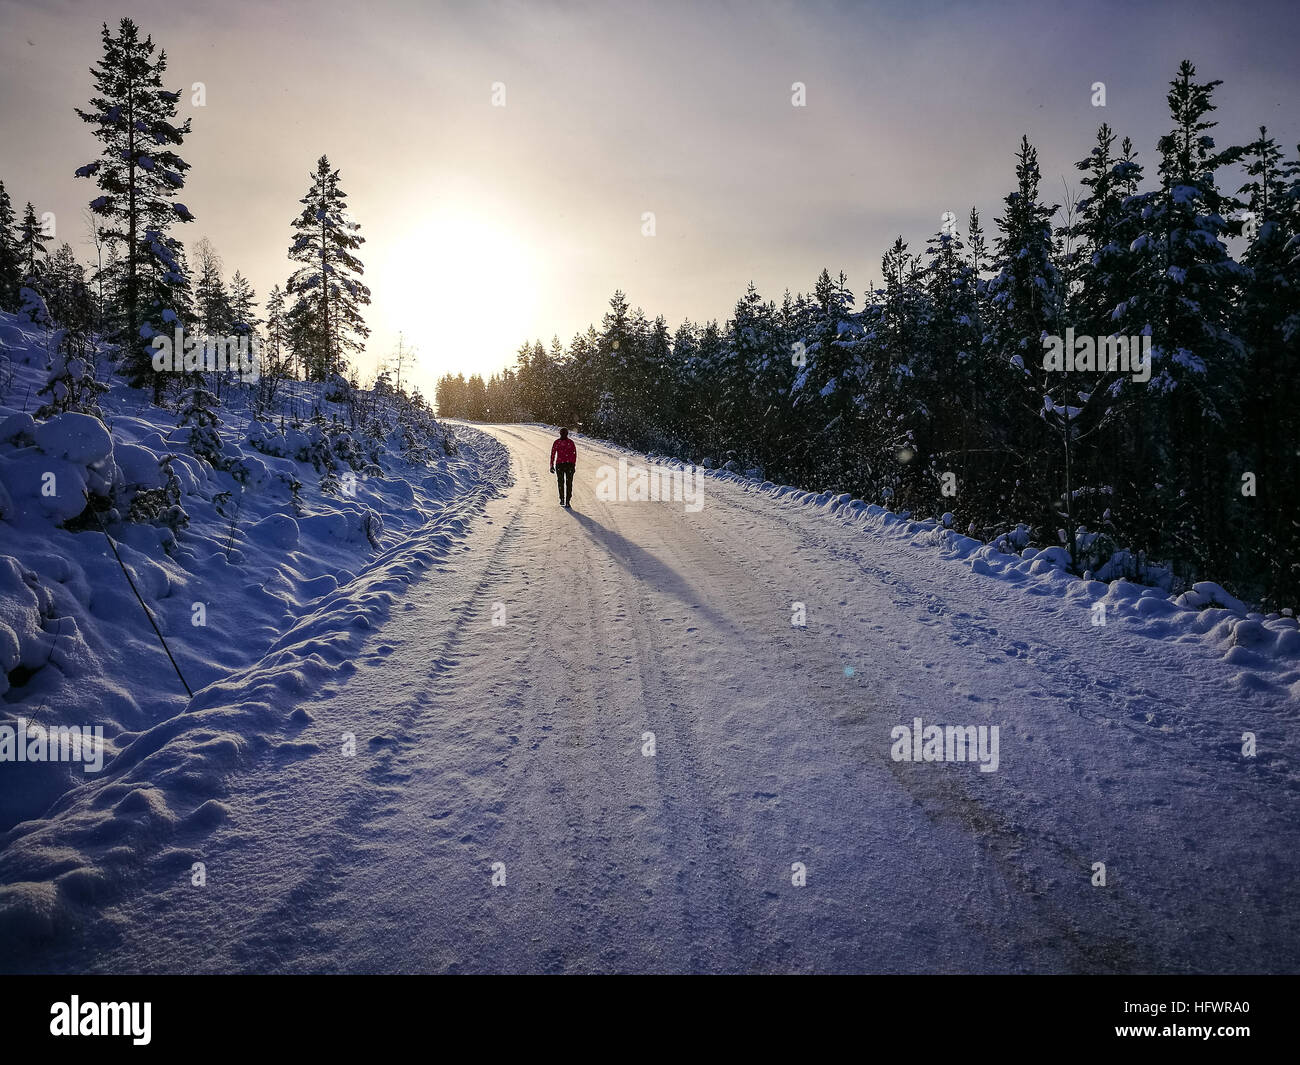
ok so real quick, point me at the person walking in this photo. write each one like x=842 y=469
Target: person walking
x=564 y=460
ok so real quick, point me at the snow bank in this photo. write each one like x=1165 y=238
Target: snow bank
x=264 y=572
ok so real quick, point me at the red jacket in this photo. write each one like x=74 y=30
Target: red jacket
x=564 y=450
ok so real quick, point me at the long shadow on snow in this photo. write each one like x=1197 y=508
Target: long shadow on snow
x=641 y=564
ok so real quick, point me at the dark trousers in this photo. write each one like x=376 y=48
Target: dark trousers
x=564 y=476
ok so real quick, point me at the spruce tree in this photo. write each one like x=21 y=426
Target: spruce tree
x=750 y=336
x=71 y=385
x=277 y=332
x=32 y=239
x=243 y=305
x=198 y=413
x=897 y=369
x=1182 y=296
x=985 y=367
x=948 y=385
x=824 y=387
x=212 y=305
x=327 y=290
x=139 y=174
x=10 y=269
x=1268 y=321
x=1023 y=300
x=70 y=301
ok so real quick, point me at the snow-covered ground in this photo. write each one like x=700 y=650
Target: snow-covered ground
x=507 y=808
x=296 y=545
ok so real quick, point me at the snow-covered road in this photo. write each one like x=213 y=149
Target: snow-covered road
x=524 y=744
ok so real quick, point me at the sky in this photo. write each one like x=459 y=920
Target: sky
x=488 y=225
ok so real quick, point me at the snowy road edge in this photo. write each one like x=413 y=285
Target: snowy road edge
x=56 y=871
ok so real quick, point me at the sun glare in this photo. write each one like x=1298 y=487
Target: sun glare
x=464 y=292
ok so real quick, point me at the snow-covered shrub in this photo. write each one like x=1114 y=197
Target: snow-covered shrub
x=57 y=467
x=1206 y=595
x=160 y=504
x=198 y=414
x=346 y=450
x=337 y=389
x=1015 y=541
x=70 y=385
x=32 y=306
x=330 y=484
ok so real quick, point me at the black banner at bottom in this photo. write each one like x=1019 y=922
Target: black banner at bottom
x=143 y=1014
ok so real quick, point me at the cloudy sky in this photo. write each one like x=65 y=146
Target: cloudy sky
x=486 y=225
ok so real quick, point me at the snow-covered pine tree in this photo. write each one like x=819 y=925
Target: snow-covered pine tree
x=32 y=239
x=64 y=275
x=138 y=174
x=951 y=367
x=198 y=413
x=1099 y=233
x=244 y=322
x=31 y=262
x=501 y=396
x=243 y=305
x=1125 y=448
x=897 y=374
x=771 y=365
x=542 y=375
x=1077 y=405
x=1102 y=230
x=212 y=304
x=476 y=399
x=108 y=283
x=1023 y=302
x=70 y=302
x=1268 y=321
x=655 y=355
x=702 y=377
x=1183 y=294
x=327 y=290
x=535 y=375
x=685 y=364
x=167 y=300
x=71 y=385
x=10 y=268
x=277 y=331
x=774 y=372
x=588 y=377
x=31 y=305
x=528 y=374
x=161 y=505
x=987 y=374
x=556 y=362
x=450 y=396
x=825 y=389
x=608 y=376
x=749 y=336
x=636 y=378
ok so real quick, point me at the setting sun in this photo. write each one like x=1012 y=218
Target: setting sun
x=463 y=291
